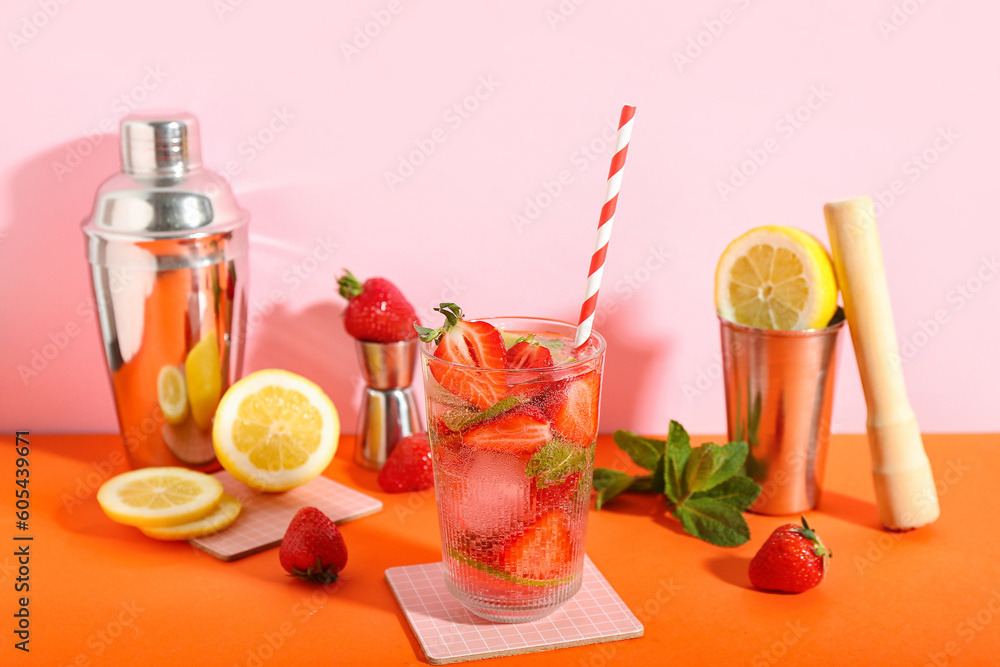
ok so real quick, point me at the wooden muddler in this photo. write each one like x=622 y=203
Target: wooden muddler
x=904 y=484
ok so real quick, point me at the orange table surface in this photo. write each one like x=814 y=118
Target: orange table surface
x=103 y=594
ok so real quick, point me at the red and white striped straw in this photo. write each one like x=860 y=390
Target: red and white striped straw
x=604 y=226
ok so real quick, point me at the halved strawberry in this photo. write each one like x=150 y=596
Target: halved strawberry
x=542 y=551
x=527 y=354
x=475 y=344
x=522 y=430
x=572 y=405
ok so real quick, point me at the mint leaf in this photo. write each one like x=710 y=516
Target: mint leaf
x=610 y=483
x=739 y=492
x=644 y=451
x=710 y=465
x=658 y=481
x=714 y=521
x=461 y=419
x=555 y=460
x=678 y=450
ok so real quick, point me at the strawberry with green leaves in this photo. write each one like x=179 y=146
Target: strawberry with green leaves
x=792 y=560
x=469 y=344
x=376 y=311
x=313 y=548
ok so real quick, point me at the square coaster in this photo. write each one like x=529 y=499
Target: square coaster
x=265 y=516
x=448 y=632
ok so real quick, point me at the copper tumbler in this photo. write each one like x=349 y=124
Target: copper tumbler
x=779 y=397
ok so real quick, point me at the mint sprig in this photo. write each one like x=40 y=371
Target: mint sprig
x=704 y=485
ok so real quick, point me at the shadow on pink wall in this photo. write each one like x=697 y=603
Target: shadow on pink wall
x=47 y=285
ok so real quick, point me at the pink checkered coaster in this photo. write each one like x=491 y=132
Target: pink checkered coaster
x=265 y=516
x=448 y=632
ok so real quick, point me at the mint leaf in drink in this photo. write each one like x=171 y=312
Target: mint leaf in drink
x=678 y=450
x=709 y=465
x=610 y=483
x=460 y=419
x=713 y=520
x=646 y=452
x=555 y=460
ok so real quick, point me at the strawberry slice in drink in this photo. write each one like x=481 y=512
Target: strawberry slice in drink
x=572 y=406
x=542 y=552
x=523 y=430
x=527 y=354
x=478 y=345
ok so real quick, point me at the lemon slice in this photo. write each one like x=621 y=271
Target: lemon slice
x=776 y=277
x=275 y=430
x=172 y=393
x=204 y=379
x=156 y=497
x=224 y=515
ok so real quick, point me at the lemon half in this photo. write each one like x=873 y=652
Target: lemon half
x=776 y=277
x=275 y=430
x=156 y=497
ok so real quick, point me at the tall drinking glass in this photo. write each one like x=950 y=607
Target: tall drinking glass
x=513 y=479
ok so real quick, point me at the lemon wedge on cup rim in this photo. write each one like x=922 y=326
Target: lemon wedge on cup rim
x=776 y=277
x=158 y=497
x=275 y=430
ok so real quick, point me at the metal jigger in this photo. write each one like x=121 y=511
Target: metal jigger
x=388 y=410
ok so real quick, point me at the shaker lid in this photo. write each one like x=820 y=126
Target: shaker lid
x=155 y=144
x=162 y=191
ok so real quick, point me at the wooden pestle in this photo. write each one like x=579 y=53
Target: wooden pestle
x=904 y=484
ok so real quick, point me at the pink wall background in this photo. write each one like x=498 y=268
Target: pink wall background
x=888 y=81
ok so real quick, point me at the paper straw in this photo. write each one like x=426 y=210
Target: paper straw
x=604 y=226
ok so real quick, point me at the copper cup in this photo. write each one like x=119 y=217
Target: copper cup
x=779 y=398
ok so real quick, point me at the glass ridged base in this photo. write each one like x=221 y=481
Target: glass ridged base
x=512 y=614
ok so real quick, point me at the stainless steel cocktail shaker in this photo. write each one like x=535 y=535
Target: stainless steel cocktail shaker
x=167 y=245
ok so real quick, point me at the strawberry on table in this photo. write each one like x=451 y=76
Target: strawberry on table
x=523 y=430
x=409 y=466
x=469 y=343
x=792 y=560
x=543 y=551
x=572 y=405
x=313 y=548
x=376 y=311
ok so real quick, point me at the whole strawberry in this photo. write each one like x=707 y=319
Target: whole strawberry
x=793 y=560
x=408 y=467
x=376 y=311
x=313 y=548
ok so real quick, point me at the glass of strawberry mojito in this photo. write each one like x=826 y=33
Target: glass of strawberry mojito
x=512 y=412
